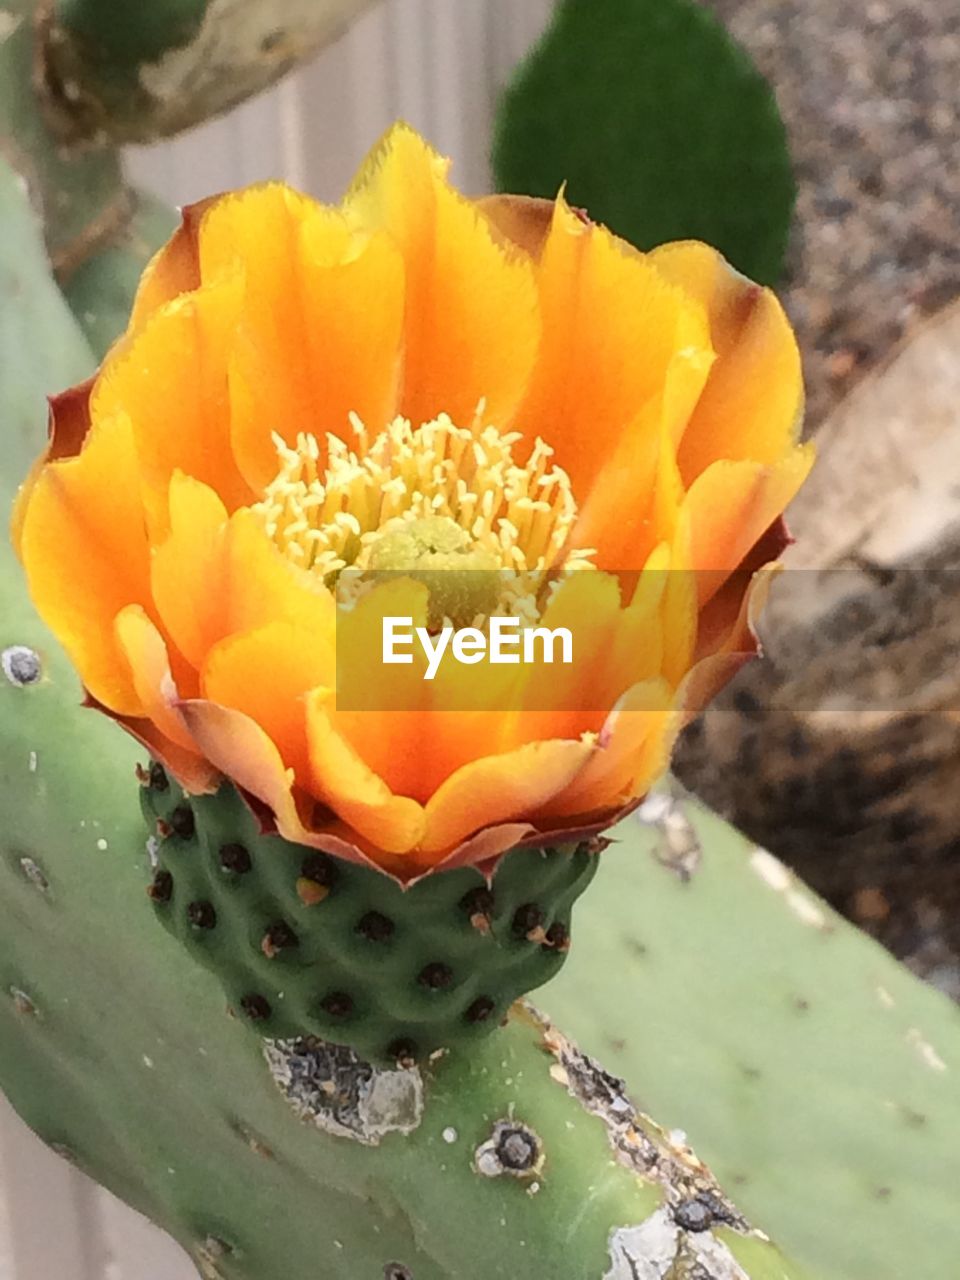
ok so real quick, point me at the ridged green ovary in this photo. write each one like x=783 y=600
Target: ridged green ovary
x=306 y=944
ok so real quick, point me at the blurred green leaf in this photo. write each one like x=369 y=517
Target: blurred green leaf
x=659 y=123
x=101 y=290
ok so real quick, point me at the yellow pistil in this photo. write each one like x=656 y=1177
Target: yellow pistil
x=437 y=497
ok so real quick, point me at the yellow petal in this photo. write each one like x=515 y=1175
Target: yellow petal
x=729 y=508
x=559 y=700
x=146 y=653
x=261 y=585
x=498 y=788
x=471 y=327
x=187 y=566
x=633 y=751
x=381 y=708
x=237 y=746
x=171 y=379
x=611 y=325
x=753 y=401
x=267 y=674
x=174 y=269
x=84 y=549
x=320 y=327
x=345 y=784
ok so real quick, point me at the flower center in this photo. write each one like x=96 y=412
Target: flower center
x=449 y=505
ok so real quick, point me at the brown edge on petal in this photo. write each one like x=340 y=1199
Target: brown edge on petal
x=69 y=420
x=175 y=268
x=196 y=775
x=523 y=221
x=584 y=829
x=769 y=546
x=483 y=850
x=326 y=841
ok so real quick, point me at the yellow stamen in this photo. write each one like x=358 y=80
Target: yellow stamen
x=360 y=508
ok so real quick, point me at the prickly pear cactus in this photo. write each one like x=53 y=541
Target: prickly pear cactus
x=121 y=1054
x=286 y=1154
x=306 y=944
x=141 y=73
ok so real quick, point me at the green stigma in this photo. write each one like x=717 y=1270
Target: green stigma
x=463 y=579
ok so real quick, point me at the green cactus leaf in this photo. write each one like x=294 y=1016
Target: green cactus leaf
x=123 y=35
x=41 y=348
x=101 y=290
x=79 y=194
x=814 y=1073
x=137 y=72
x=660 y=125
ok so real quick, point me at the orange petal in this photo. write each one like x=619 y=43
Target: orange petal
x=267 y=674
x=381 y=707
x=633 y=750
x=729 y=508
x=261 y=585
x=171 y=379
x=175 y=268
x=560 y=700
x=68 y=424
x=611 y=325
x=500 y=788
x=472 y=714
x=720 y=656
x=636 y=650
x=239 y=748
x=753 y=401
x=195 y=774
x=353 y=290
x=345 y=784
x=146 y=653
x=634 y=499
x=84 y=548
x=215 y=577
x=187 y=568
x=471 y=328
x=320 y=330
x=248 y=757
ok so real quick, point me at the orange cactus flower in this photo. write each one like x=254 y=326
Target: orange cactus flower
x=415 y=378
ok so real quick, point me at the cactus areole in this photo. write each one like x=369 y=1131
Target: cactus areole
x=446 y=412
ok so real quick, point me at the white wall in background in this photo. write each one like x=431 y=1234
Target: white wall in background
x=438 y=64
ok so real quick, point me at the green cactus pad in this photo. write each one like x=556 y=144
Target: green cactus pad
x=310 y=945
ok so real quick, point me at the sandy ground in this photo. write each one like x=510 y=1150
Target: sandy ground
x=870 y=91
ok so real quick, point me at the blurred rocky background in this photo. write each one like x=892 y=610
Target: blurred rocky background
x=841 y=753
